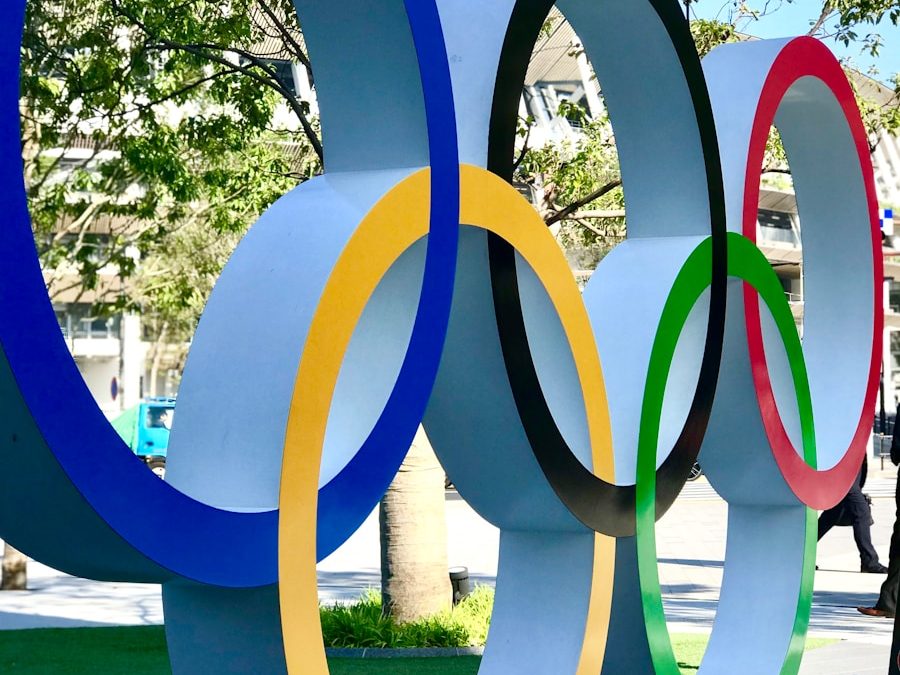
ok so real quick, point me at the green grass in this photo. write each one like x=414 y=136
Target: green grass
x=362 y=625
x=134 y=650
x=689 y=648
x=141 y=650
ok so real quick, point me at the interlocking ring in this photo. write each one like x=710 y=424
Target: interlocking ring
x=412 y=283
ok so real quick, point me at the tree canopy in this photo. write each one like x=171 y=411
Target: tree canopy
x=153 y=134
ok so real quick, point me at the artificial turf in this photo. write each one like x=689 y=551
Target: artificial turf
x=456 y=665
x=132 y=650
x=141 y=650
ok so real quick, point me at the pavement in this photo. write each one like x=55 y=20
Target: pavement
x=690 y=544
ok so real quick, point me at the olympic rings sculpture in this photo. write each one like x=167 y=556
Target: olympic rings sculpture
x=411 y=283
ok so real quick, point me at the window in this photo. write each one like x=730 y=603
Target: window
x=895 y=349
x=284 y=73
x=92 y=247
x=62 y=318
x=777 y=219
x=160 y=418
x=78 y=321
x=777 y=226
x=894 y=296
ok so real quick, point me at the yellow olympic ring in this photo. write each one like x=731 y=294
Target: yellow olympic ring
x=396 y=222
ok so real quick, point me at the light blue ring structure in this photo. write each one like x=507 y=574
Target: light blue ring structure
x=81 y=516
x=70 y=486
x=187 y=537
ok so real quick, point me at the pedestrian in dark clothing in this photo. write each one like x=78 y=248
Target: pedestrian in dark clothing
x=855 y=508
x=887 y=599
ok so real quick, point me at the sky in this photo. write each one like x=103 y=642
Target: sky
x=794 y=18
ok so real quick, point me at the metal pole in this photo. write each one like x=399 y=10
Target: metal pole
x=687 y=10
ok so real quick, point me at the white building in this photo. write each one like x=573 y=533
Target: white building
x=109 y=352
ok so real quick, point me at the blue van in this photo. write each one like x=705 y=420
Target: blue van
x=145 y=429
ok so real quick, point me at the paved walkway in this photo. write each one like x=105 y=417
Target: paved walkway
x=690 y=541
x=691 y=570
x=847 y=658
x=56 y=600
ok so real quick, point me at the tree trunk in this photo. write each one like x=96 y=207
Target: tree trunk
x=415 y=582
x=15 y=570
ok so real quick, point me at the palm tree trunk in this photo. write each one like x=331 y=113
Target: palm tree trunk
x=414 y=579
x=15 y=569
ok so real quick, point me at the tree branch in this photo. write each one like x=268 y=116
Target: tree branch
x=524 y=150
x=289 y=38
x=272 y=83
x=598 y=214
x=178 y=92
x=827 y=11
x=578 y=203
x=203 y=50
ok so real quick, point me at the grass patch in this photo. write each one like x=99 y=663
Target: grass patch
x=131 y=650
x=362 y=625
x=141 y=650
x=689 y=649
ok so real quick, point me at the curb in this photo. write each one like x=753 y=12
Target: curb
x=425 y=652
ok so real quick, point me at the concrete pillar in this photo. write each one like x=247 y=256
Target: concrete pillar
x=887 y=359
x=889 y=145
x=589 y=82
x=304 y=87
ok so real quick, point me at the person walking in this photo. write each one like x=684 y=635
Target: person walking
x=886 y=606
x=855 y=507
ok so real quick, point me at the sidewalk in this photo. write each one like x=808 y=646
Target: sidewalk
x=691 y=545
x=847 y=658
x=691 y=583
x=56 y=600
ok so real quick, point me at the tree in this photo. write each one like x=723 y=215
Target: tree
x=578 y=189
x=172 y=286
x=14 y=569
x=128 y=139
x=414 y=576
